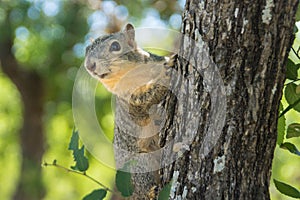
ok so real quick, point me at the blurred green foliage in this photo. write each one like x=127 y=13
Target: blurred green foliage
x=10 y=122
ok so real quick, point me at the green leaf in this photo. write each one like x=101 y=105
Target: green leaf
x=292 y=70
x=293 y=130
x=96 y=195
x=123 y=183
x=165 y=192
x=290 y=147
x=286 y=189
x=82 y=163
x=73 y=145
x=280 y=127
x=292 y=97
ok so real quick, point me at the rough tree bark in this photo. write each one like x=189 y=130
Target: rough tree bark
x=31 y=88
x=249 y=41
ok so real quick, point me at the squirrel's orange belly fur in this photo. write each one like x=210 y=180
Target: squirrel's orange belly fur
x=113 y=79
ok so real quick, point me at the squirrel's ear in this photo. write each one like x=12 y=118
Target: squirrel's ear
x=130 y=33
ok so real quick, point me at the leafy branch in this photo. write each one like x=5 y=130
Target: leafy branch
x=292 y=96
x=80 y=168
x=54 y=164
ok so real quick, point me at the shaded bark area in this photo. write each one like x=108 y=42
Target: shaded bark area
x=249 y=41
x=31 y=88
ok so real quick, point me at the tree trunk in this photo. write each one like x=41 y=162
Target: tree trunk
x=31 y=88
x=249 y=42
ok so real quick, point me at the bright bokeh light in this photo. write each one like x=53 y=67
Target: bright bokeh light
x=98 y=20
x=51 y=7
x=79 y=50
x=152 y=19
x=181 y=3
x=22 y=33
x=175 y=21
x=108 y=7
x=121 y=12
x=33 y=13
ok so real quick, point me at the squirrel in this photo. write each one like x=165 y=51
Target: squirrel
x=136 y=76
x=139 y=80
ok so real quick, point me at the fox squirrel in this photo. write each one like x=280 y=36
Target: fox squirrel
x=140 y=81
x=137 y=77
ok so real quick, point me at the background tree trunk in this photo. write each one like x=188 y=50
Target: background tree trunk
x=31 y=88
x=249 y=41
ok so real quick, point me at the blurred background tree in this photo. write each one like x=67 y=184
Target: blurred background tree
x=42 y=44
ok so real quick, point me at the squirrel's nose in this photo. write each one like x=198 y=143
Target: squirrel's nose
x=90 y=64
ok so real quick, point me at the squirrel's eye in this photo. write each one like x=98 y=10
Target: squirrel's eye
x=115 y=46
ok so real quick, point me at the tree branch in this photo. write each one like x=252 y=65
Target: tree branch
x=45 y=164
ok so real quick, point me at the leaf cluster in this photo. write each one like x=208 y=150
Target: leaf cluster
x=292 y=130
x=81 y=161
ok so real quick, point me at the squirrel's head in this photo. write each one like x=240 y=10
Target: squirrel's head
x=109 y=57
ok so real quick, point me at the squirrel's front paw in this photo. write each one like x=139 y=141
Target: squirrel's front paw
x=170 y=61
